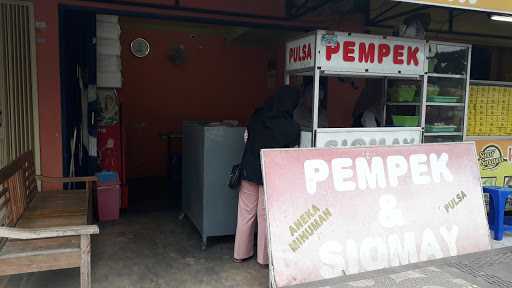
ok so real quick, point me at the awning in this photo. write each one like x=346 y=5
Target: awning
x=496 y=6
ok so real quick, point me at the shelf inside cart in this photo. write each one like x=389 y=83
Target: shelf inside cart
x=444 y=134
x=447 y=76
x=445 y=104
x=403 y=104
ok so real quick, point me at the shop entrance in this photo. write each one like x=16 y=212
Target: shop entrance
x=192 y=73
x=139 y=82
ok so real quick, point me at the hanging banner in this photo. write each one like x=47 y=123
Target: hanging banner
x=498 y=6
x=363 y=53
x=335 y=212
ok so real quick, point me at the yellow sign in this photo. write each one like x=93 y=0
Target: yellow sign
x=495 y=159
x=499 y=6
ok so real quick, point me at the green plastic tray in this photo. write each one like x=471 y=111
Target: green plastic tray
x=443 y=99
x=438 y=128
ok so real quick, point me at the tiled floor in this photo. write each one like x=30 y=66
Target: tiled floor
x=158 y=250
x=153 y=250
x=506 y=242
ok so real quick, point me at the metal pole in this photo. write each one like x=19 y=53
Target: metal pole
x=424 y=91
x=467 y=94
x=286 y=78
x=316 y=104
x=385 y=87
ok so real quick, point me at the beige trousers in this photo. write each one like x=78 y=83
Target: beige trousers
x=251 y=204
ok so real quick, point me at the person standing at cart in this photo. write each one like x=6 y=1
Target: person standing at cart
x=271 y=126
x=304 y=112
x=368 y=111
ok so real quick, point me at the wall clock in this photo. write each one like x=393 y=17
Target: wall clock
x=140 y=47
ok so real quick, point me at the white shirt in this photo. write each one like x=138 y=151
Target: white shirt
x=369 y=119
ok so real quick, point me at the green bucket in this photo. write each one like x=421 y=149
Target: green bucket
x=403 y=94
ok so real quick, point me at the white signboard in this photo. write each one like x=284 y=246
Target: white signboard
x=361 y=53
x=353 y=137
x=305 y=139
x=300 y=53
x=337 y=212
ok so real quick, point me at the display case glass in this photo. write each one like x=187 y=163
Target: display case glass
x=445 y=92
x=448 y=59
x=403 y=103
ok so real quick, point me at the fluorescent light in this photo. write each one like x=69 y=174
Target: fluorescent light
x=501 y=18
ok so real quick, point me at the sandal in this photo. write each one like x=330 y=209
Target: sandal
x=241 y=260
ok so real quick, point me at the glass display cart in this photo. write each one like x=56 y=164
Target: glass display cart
x=426 y=86
x=340 y=54
x=446 y=88
x=439 y=104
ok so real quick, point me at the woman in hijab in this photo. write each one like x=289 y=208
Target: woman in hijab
x=269 y=127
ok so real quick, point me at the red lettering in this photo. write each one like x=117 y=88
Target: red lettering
x=300 y=53
x=366 y=53
x=384 y=51
x=412 y=56
x=330 y=50
x=348 y=51
x=398 y=54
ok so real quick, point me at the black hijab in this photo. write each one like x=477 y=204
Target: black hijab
x=283 y=103
x=271 y=126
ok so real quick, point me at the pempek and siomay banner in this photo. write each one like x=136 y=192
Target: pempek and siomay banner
x=335 y=212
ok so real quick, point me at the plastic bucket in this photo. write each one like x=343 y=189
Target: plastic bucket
x=108 y=196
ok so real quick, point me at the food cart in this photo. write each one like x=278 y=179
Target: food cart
x=430 y=107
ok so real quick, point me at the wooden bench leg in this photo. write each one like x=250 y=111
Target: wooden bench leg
x=85 y=265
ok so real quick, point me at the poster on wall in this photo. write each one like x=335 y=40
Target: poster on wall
x=108 y=107
x=336 y=212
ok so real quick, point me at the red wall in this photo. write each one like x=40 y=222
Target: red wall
x=48 y=81
x=47 y=51
x=343 y=95
x=219 y=80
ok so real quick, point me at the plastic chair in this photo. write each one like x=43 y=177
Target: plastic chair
x=497 y=201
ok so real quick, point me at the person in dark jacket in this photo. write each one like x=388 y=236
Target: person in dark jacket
x=271 y=126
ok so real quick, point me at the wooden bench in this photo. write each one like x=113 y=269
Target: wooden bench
x=42 y=231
